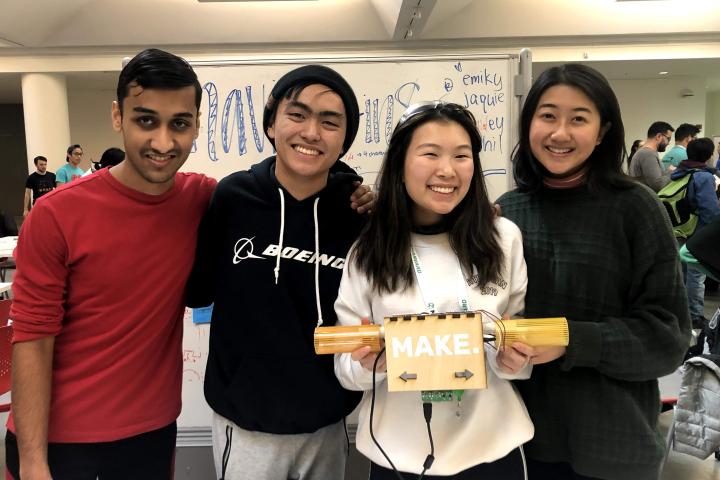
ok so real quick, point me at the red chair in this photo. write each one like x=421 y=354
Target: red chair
x=5 y=362
x=5 y=311
x=6 y=334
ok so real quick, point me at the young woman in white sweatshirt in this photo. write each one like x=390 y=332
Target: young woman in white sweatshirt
x=435 y=244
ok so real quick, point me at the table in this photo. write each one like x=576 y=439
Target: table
x=5 y=289
x=7 y=245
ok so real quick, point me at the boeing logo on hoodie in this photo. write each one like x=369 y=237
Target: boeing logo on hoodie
x=244 y=248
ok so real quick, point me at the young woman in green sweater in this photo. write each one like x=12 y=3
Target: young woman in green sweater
x=599 y=251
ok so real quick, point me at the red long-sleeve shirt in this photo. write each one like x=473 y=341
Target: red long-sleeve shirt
x=103 y=268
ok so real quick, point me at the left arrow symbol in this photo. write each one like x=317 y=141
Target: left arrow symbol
x=405 y=376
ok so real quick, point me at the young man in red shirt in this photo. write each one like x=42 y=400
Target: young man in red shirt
x=98 y=306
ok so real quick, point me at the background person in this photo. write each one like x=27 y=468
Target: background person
x=71 y=170
x=684 y=134
x=703 y=201
x=633 y=149
x=37 y=184
x=110 y=157
x=645 y=165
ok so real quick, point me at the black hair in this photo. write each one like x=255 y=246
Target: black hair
x=111 y=157
x=700 y=149
x=659 y=127
x=605 y=161
x=633 y=150
x=153 y=68
x=291 y=93
x=70 y=150
x=684 y=131
x=383 y=247
x=38 y=158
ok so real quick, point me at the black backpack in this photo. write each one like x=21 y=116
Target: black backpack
x=709 y=334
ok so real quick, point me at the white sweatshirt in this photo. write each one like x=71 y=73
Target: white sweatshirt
x=493 y=421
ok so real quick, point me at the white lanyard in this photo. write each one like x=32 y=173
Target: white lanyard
x=422 y=279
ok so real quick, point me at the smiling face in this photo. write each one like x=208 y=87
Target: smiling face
x=158 y=128
x=309 y=131
x=564 y=130
x=438 y=170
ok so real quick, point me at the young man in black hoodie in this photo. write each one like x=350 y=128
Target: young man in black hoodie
x=270 y=256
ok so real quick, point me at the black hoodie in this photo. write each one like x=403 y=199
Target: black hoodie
x=262 y=372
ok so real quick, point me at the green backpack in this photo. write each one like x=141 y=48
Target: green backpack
x=674 y=197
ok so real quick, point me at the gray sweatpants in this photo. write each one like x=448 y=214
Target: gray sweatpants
x=243 y=454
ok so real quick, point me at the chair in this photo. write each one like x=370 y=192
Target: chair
x=5 y=311
x=6 y=333
x=5 y=265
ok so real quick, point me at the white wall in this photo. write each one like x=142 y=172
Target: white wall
x=712 y=115
x=90 y=123
x=643 y=102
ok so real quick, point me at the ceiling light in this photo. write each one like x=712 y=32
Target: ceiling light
x=663 y=73
x=248 y=1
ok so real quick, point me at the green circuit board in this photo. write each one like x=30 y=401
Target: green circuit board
x=441 y=395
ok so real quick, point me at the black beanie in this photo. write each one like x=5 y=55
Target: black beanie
x=324 y=76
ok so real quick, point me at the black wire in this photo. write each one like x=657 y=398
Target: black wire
x=226 y=452
x=427 y=413
x=501 y=326
x=372 y=411
x=347 y=437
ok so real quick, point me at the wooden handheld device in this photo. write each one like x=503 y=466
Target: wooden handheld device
x=440 y=351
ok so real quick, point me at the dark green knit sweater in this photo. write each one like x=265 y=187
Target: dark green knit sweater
x=608 y=262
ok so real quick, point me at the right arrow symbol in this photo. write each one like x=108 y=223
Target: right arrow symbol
x=405 y=376
x=466 y=374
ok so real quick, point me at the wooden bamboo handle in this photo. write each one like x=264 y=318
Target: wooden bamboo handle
x=347 y=338
x=536 y=332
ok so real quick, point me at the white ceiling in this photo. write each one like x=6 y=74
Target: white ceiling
x=670 y=30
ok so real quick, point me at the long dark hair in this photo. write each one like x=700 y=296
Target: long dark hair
x=633 y=150
x=383 y=249
x=605 y=162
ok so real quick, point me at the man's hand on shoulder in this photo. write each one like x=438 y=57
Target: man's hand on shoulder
x=362 y=199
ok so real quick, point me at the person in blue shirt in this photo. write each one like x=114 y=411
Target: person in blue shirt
x=684 y=134
x=704 y=203
x=71 y=170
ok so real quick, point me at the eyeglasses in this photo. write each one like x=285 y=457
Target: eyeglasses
x=420 y=107
x=667 y=137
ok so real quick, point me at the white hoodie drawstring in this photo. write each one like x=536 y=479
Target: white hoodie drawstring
x=317 y=251
x=282 y=233
x=317 y=262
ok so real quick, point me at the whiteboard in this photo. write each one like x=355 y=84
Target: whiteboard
x=195 y=411
x=231 y=136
